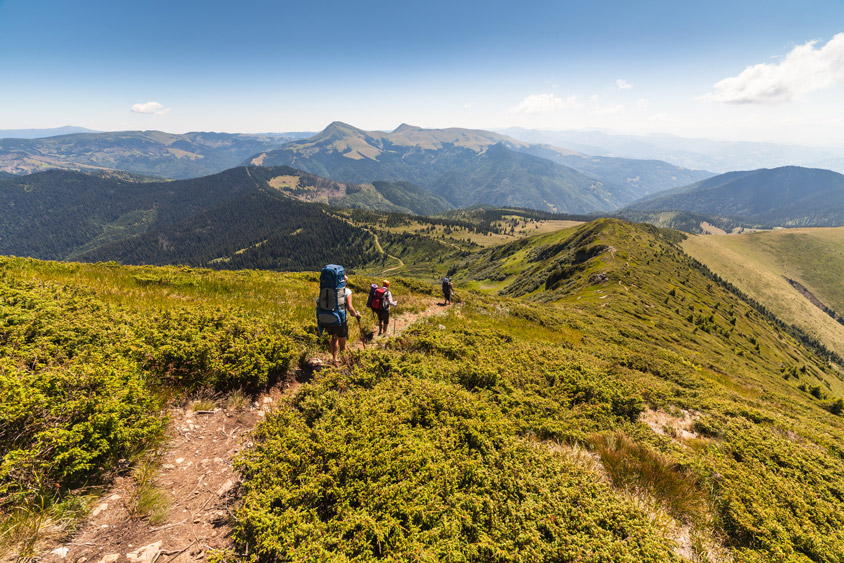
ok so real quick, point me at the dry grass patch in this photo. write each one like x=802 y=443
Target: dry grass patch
x=639 y=469
x=695 y=538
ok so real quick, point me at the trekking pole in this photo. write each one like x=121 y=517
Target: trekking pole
x=396 y=319
x=362 y=337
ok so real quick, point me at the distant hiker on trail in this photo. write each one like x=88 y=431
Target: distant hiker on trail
x=448 y=290
x=381 y=300
x=335 y=298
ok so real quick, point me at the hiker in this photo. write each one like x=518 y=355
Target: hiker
x=381 y=300
x=448 y=290
x=331 y=311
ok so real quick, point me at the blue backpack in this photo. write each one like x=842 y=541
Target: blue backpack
x=331 y=305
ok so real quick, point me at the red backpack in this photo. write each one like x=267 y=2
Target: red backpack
x=379 y=300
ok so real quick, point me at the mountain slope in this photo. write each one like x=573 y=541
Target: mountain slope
x=502 y=177
x=55 y=214
x=231 y=219
x=400 y=197
x=258 y=229
x=436 y=159
x=616 y=403
x=643 y=177
x=144 y=152
x=796 y=273
x=789 y=196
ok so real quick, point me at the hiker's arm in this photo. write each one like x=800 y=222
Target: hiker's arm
x=393 y=303
x=350 y=307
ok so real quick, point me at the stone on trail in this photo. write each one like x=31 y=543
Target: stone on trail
x=145 y=554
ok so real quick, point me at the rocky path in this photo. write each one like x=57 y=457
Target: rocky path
x=196 y=476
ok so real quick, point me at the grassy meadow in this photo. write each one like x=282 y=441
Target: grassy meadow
x=758 y=264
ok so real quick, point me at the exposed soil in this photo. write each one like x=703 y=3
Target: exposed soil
x=814 y=300
x=197 y=475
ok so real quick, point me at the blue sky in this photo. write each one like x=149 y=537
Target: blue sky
x=749 y=70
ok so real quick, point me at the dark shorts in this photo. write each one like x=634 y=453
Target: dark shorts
x=383 y=315
x=447 y=293
x=340 y=331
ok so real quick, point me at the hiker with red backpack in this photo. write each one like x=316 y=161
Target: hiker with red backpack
x=381 y=300
x=335 y=299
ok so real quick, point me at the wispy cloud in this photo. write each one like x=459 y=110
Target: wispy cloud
x=803 y=70
x=610 y=110
x=623 y=84
x=544 y=103
x=150 y=107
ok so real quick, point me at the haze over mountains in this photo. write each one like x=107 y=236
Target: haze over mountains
x=790 y=196
x=704 y=154
x=42 y=133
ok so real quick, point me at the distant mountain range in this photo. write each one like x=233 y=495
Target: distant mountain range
x=789 y=196
x=41 y=133
x=704 y=154
x=143 y=152
x=458 y=166
x=471 y=167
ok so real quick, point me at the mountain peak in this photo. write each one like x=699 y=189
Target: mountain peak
x=339 y=126
x=405 y=127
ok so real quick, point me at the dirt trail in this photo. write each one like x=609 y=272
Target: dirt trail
x=382 y=251
x=197 y=474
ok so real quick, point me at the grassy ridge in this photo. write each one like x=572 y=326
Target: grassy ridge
x=680 y=405
x=611 y=403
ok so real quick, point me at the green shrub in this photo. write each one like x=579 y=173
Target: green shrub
x=62 y=425
x=222 y=349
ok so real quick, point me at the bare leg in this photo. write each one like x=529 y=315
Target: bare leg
x=342 y=345
x=334 y=349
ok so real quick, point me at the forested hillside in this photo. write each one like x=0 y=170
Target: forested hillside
x=643 y=177
x=598 y=396
x=244 y=217
x=60 y=214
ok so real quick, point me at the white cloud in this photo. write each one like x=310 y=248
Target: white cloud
x=544 y=103
x=467 y=105
x=150 y=107
x=803 y=70
x=623 y=84
x=642 y=103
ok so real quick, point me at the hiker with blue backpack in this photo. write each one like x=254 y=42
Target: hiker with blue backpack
x=335 y=299
x=381 y=300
